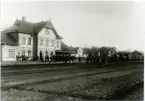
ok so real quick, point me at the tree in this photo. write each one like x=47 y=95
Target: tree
x=94 y=50
x=87 y=50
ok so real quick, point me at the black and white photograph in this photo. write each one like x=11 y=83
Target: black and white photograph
x=72 y=50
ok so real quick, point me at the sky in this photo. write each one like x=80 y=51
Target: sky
x=85 y=23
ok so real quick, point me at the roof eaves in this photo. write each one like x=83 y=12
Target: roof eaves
x=3 y=43
x=9 y=31
x=25 y=32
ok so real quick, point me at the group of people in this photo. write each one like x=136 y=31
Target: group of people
x=57 y=58
x=67 y=58
x=23 y=57
x=104 y=58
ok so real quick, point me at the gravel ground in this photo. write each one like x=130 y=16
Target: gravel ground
x=91 y=86
x=110 y=86
x=88 y=87
x=29 y=78
x=135 y=94
x=68 y=99
x=19 y=95
x=25 y=78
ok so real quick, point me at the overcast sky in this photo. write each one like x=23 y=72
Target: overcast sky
x=96 y=23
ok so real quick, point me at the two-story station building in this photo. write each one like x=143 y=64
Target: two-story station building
x=29 y=39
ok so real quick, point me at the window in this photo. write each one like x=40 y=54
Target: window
x=41 y=41
x=23 y=40
x=11 y=53
x=29 y=40
x=57 y=44
x=52 y=43
x=47 y=42
x=23 y=52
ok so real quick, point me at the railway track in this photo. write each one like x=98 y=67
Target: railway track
x=109 y=96
x=43 y=69
x=53 y=79
x=16 y=75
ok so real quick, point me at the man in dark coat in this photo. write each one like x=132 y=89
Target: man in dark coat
x=41 y=56
x=79 y=59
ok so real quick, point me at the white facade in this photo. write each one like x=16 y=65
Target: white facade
x=25 y=47
x=79 y=52
x=23 y=34
x=25 y=44
x=9 y=53
x=47 y=42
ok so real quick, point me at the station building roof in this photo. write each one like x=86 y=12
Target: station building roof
x=22 y=26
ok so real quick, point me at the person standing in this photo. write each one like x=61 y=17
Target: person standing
x=18 y=57
x=87 y=59
x=79 y=59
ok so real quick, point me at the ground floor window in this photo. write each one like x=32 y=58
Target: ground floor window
x=11 y=53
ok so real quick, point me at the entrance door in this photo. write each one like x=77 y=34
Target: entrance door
x=41 y=55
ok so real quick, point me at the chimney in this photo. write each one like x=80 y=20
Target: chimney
x=23 y=18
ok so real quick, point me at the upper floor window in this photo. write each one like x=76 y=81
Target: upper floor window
x=23 y=40
x=52 y=43
x=47 y=31
x=29 y=40
x=47 y=42
x=57 y=44
x=11 y=53
x=41 y=41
